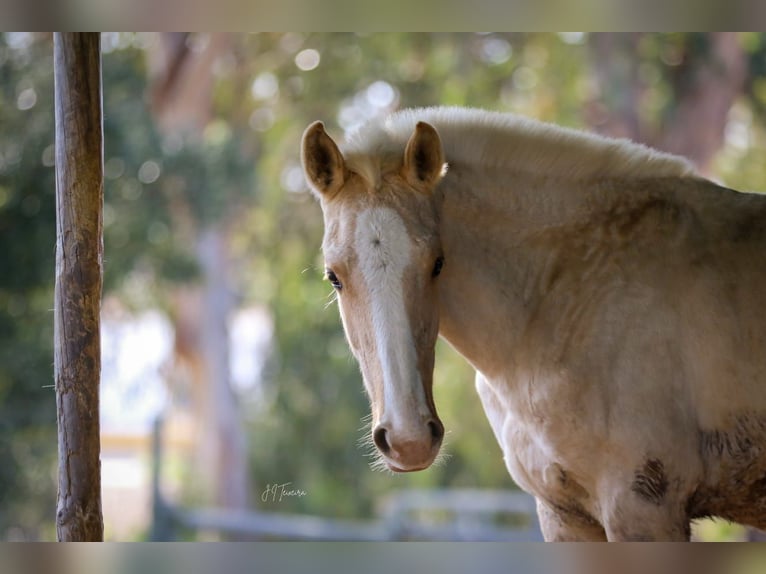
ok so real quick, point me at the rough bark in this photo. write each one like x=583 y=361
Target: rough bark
x=79 y=250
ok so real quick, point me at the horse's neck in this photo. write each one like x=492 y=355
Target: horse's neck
x=496 y=263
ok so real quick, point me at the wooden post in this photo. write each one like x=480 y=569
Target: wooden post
x=79 y=250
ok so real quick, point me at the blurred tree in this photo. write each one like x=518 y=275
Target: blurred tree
x=181 y=96
x=703 y=75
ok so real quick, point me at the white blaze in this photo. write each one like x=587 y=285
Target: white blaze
x=384 y=250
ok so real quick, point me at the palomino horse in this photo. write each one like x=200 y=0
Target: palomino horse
x=612 y=302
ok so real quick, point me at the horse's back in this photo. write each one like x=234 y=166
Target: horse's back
x=702 y=256
x=722 y=329
x=723 y=296
x=733 y=218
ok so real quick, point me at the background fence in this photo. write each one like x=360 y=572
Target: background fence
x=410 y=514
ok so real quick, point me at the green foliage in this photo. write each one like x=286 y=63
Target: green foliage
x=138 y=236
x=27 y=237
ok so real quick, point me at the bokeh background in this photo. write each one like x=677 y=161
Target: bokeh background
x=220 y=339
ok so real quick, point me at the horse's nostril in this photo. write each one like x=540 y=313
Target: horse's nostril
x=380 y=439
x=437 y=430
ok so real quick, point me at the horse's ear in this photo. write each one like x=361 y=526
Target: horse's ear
x=424 y=162
x=322 y=161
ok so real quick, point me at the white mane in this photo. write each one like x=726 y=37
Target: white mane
x=494 y=139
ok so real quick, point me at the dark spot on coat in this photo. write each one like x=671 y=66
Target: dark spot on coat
x=736 y=443
x=737 y=451
x=650 y=482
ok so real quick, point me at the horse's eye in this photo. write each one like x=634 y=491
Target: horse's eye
x=333 y=279
x=438 y=264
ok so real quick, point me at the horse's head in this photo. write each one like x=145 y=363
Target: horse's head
x=383 y=257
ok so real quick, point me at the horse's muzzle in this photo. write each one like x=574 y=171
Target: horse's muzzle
x=409 y=451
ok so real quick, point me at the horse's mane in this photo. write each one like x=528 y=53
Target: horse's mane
x=504 y=140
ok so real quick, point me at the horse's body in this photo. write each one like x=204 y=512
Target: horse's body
x=612 y=302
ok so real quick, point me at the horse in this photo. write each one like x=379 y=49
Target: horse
x=611 y=300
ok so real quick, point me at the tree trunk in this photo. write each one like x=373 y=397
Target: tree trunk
x=200 y=318
x=705 y=87
x=614 y=67
x=182 y=82
x=225 y=445
x=712 y=84
x=79 y=250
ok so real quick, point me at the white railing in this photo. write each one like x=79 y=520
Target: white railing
x=423 y=515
